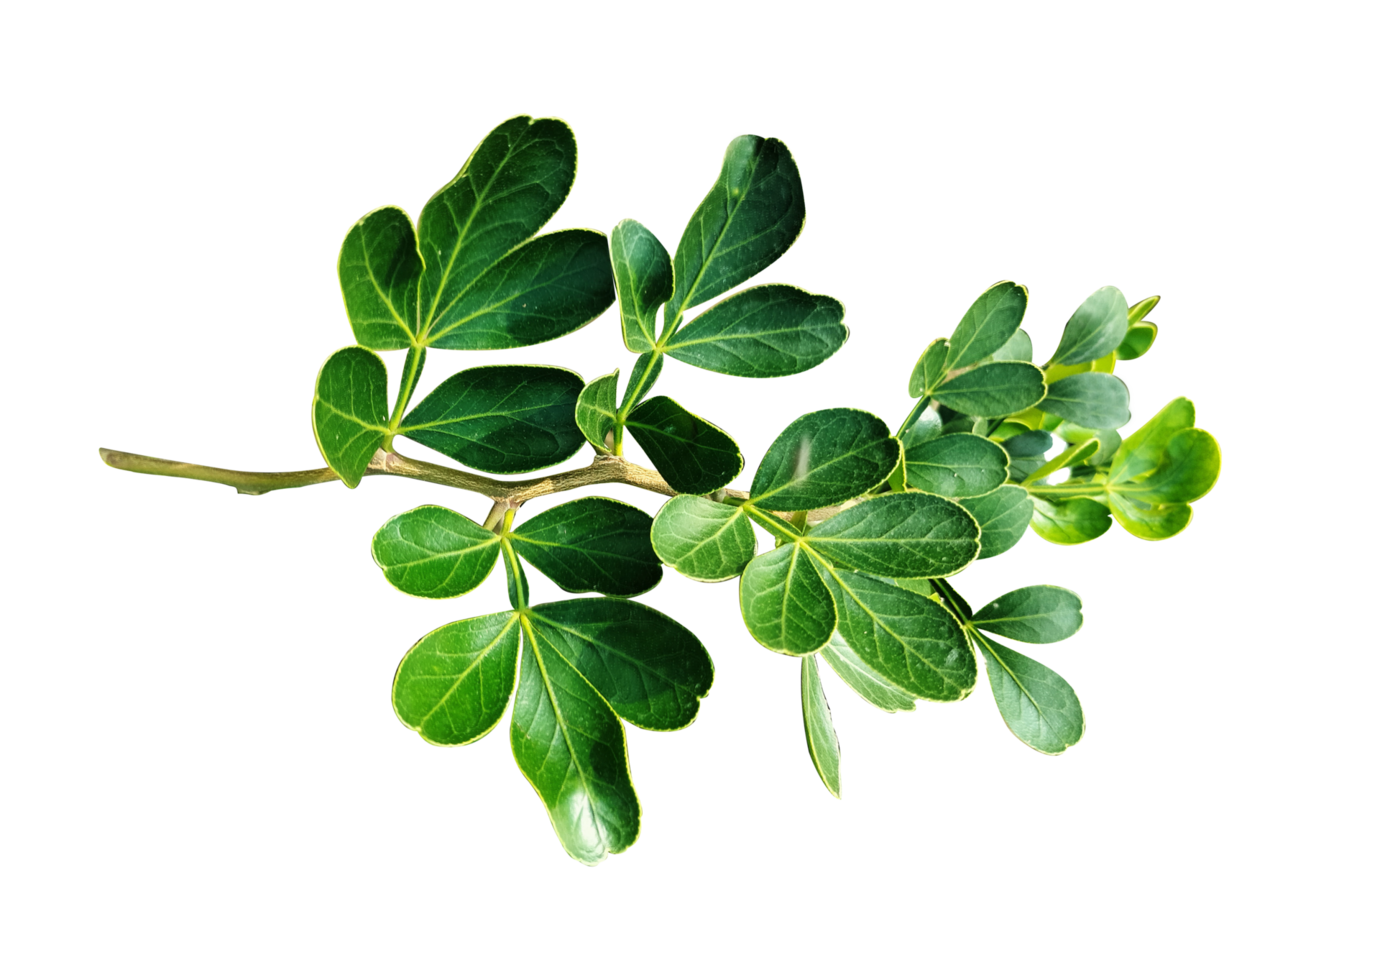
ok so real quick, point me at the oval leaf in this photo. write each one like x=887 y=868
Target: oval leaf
x=453 y=685
x=1138 y=342
x=1034 y=614
x=380 y=273
x=1070 y=521
x=596 y=412
x=1002 y=515
x=989 y=323
x=869 y=685
x=691 y=454
x=764 y=332
x=703 y=539
x=1036 y=703
x=993 y=390
x=434 y=552
x=349 y=413
x=1092 y=400
x=959 y=465
x=1095 y=329
x=929 y=369
x=786 y=605
x=1143 y=449
x=905 y=535
x=591 y=545
x=819 y=726
x=825 y=458
x=1018 y=348
x=642 y=275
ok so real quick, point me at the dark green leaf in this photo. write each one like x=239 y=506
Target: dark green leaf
x=642 y=273
x=646 y=369
x=907 y=535
x=434 y=552
x=1093 y=400
x=596 y=411
x=1139 y=340
x=956 y=466
x=592 y=545
x=509 y=418
x=763 y=332
x=989 y=323
x=1036 y=703
x=926 y=424
x=380 y=273
x=1032 y=444
x=350 y=411
x=929 y=370
x=453 y=685
x=825 y=458
x=993 y=390
x=1070 y=521
x=692 y=455
x=1018 y=348
x=703 y=539
x=1034 y=614
x=870 y=685
x=1095 y=329
x=1003 y=515
x=819 y=726
x=786 y=605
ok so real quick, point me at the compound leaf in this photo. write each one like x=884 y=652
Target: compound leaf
x=1092 y=400
x=452 y=686
x=763 y=332
x=1002 y=515
x=989 y=323
x=1034 y=614
x=642 y=273
x=691 y=454
x=1070 y=521
x=993 y=390
x=959 y=465
x=349 y=413
x=819 y=726
x=703 y=539
x=786 y=605
x=380 y=273
x=434 y=552
x=825 y=458
x=596 y=412
x=869 y=685
x=1096 y=328
x=1036 y=703
x=593 y=544
x=501 y=418
x=906 y=535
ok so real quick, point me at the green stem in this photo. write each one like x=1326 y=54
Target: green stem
x=644 y=375
x=914 y=414
x=952 y=599
x=412 y=370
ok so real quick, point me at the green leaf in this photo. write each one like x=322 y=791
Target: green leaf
x=914 y=643
x=1070 y=521
x=1036 y=703
x=703 y=539
x=380 y=273
x=646 y=369
x=593 y=544
x=870 y=685
x=763 y=332
x=509 y=418
x=691 y=454
x=1027 y=452
x=786 y=605
x=510 y=186
x=956 y=466
x=1142 y=451
x=819 y=726
x=1138 y=342
x=1149 y=521
x=993 y=390
x=1141 y=310
x=650 y=669
x=1002 y=515
x=1034 y=614
x=434 y=552
x=544 y=289
x=350 y=411
x=1071 y=456
x=929 y=370
x=1095 y=329
x=1096 y=401
x=569 y=744
x=989 y=323
x=642 y=273
x=906 y=535
x=1160 y=469
x=595 y=411
x=753 y=213
x=452 y=686
x=1187 y=471
x=519 y=593
x=1018 y=348
x=825 y=458
x=924 y=425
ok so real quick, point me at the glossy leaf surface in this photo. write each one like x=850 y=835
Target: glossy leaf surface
x=592 y=544
x=1093 y=400
x=1096 y=328
x=1139 y=339
x=453 y=685
x=1002 y=515
x=929 y=369
x=993 y=390
x=703 y=539
x=380 y=272
x=642 y=274
x=596 y=411
x=989 y=323
x=434 y=552
x=959 y=465
x=906 y=535
x=1037 y=704
x=819 y=726
x=869 y=684
x=825 y=458
x=1142 y=451
x=764 y=332
x=691 y=454
x=501 y=418
x=1034 y=614
x=1070 y=521
x=349 y=413
x=785 y=604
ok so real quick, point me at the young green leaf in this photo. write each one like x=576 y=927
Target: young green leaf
x=1141 y=310
x=786 y=605
x=692 y=455
x=434 y=552
x=595 y=411
x=929 y=369
x=869 y=685
x=1142 y=451
x=753 y=213
x=956 y=466
x=1140 y=338
x=593 y=544
x=825 y=458
x=570 y=745
x=1071 y=456
x=993 y=390
x=642 y=273
x=452 y=686
x=1093 y=400
x=1034 y=614
x=763 y=332
x=1186 y=472
x=650 y=669
x=380 y=273
x=989 y=323
x=1002 y=515
x=349 y=413
x=1149 y=521
x=510 y=418
x=703 y=539
x=1018 y=348
x=1070 y=521
x=1036 y=703
x=819 y=726
x=1095 y=329
x=907 y=535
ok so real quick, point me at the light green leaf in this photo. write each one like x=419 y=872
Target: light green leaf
x=1036 y=703
x=595 y=411
x=1096 y=401
x=907 y=535
x=763 y=332
x=570 y=745
x=870 y=685
x=753 y=213
x=452 y=686
x=1018 y=348
x=519 y=593
x=642 y=273
x=1139 y=339
x=1142 y=451
x=1070 y=521
x=650 y=669
x=380 y=273
x=1095 y=329
x=1149 y=521
x=993 y=390
x=547 y=288
x=929 y=370
x=1002 y=515
x=691 y=454
x=434 y=552
x=786 y=605
x=989 y=323
x=703 y=539
x=592 y=544
x=349 y=413
x=819 y=726
x=825 y=458
x=1187 y=471
x=508 y=418
x=956 y=466
x=1071 y=456
x=1034 y=614
x=510 y=186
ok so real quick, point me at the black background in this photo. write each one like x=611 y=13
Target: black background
x=257 y=639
